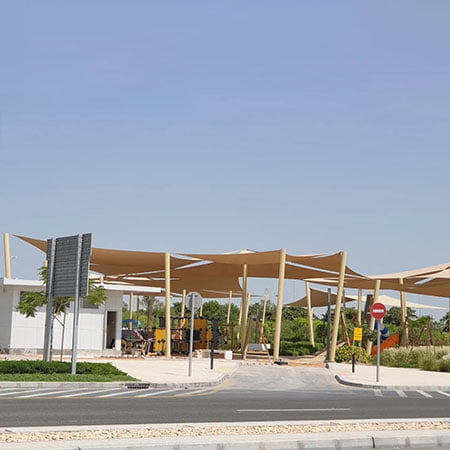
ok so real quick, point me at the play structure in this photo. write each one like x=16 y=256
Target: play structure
x=140 y=342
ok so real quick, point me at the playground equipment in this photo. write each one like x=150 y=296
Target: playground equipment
x=155 y=342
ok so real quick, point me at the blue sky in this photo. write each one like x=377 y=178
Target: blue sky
x=211 y=126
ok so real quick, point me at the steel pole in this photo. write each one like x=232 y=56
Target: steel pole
x=191 y=334
x=76 y=313
x=378 y=349
x=48 y=336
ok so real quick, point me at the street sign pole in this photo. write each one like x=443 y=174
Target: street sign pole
x=48 y=335
x=191 y=337
x=76 y=313
x=378 y=349
x=378 y=311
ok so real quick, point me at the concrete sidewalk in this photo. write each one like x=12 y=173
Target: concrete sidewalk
x=165 y=372
x=390 y=377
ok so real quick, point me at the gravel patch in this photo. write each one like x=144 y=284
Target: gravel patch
x=192 y=430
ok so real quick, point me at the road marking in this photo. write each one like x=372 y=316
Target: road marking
x=114 y=394
x=40 y=394
x=294 y=409
x=401 y=393
x=86 y=393
x=19 y=392
x=425 y=394
x=184 y=394
x=156 y=393
x=378 y=393
x=444 y=393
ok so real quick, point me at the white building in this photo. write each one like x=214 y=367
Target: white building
x=99 y=327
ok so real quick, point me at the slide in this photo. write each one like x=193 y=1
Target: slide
x=389 y=342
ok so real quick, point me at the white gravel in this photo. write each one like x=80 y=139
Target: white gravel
x=193 y=430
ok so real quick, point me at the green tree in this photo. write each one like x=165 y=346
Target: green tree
x=394 y=315
x=31 y=301
x=444 y=323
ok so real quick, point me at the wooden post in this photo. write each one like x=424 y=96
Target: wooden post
x=337 y=308
x=130 y=312
x=404 y=313
x=277 y=336
x=358 y=315
x=7 y=255
x=183 y=303
x=310 y=314
x=242 y=314
x=229 y=307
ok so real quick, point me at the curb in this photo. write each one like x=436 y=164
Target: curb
x=340 y=379
x=112 y=384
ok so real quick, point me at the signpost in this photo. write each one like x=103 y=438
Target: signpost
x=378 y=311
x=67 y=276
x=357 y=337
x=194 y=301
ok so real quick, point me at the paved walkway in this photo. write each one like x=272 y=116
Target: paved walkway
x=164 y=372
x=390 y=377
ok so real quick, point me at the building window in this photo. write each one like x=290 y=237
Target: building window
x=86 y=305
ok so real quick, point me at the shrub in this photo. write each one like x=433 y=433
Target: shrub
x=288 y=348
x=344 y=353
x=436 y=359
x=45 y=367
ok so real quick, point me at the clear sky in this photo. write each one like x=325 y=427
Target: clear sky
x=212 y=126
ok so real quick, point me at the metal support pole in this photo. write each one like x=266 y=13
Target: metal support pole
x=358 y=314
x=48 y=335
x=191 y=334
x=310 y=314
x=76 y=312
x=229 y=307
x=337 y=308
x=168 y=351
x=183 y=303
x=282 y=268
x=378 y=349
x=243 y=311
x=7 y=254
x=329 y=325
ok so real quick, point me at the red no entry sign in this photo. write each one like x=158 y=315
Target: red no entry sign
x=378 y=310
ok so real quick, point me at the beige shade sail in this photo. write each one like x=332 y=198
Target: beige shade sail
x=190 y=284
x=320 y=298
x=112 y=262
x=244 y=257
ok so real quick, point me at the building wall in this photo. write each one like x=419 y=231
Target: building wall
x=5 y=316
x=27 y=334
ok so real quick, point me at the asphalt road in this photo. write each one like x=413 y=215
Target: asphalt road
x=252 y=394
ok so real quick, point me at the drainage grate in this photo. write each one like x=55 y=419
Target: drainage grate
x=137 y=385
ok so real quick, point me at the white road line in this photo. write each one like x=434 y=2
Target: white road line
x=298 y=409
x=425 y=394
x=40 y=394
x=157 y=393
x=401 y=393
x=444 y=393
x=114 y=394
x=7 y=389
x=184 y=394
x=378 y=393
x=87 y=392
x=19 y=392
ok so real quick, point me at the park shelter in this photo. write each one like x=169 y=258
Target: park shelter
x=215 y=273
